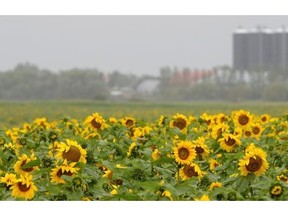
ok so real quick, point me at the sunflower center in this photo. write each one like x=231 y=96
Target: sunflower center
x=95 y=124
x=264 y=119
x=255 y=164
x=60 y=173
x=247 y=133
x=27 y=169
x=22 y=187
x=230 y=141
x=73 y=154
x=255 y=130
x=183 y=153
x=243 y=119
x=180 y=123
x=277 y=190
x=190 y=171
x=199 y=150
x=129 y=123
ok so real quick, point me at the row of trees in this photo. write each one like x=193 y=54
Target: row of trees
x=27 y=82
x=227 y=84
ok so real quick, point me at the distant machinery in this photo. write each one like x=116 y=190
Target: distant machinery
x=260 y=49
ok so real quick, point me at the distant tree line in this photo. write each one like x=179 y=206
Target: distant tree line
x=28 y=82
x=226 y=84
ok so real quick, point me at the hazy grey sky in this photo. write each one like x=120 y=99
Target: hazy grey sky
x=130 y=44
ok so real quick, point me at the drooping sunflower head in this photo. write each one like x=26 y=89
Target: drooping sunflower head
x=95 y=122
x=180 y=121
x=229 y=141
x=191 y=170
x=242 y=118
x=201 y=148
x=66 y=169
x=162 y=121
x=71 y=151
x=23 y=160
x=184 y=152
x=24 y=188
x=254 y=161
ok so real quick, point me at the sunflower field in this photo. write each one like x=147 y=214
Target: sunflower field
x=240 y=156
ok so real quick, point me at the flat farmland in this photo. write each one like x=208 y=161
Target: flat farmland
x=15 y=113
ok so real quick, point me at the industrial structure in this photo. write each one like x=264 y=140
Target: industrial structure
x=260 y=49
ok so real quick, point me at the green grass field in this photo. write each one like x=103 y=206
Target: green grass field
x=15 y=113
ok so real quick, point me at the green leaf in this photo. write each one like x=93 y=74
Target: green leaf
x=163 y=160
x=31 y=164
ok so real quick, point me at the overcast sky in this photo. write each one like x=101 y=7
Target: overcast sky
x=130 y=44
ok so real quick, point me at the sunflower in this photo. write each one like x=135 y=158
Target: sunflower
x=24 y=159
x=71 y=151
x=221 y=118
x=24 y=188
x=162 y=120
x=129 y=122
x=276 y=190
x=242 y=118
x=229 y=141
x=167 y=193
x=9 y=179
x=131 y=149
x=213 y=164
x=108 y=174
x=215 y=185
x=265 y=118
x=201 y=148
x=257 y=130
x=283 y=177
x=247 y=132
x=191 y=170
x=155 y=154
x=66 y=168
x=180 y=121
x=203 y=198
x=96 y=122
x=208 y=119
x=218 y=129
x=254 y=161
x=184 y=152
x=113 y=120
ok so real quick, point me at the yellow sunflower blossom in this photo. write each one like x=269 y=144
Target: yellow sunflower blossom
x=66 y=168
x=24 y=187
x=254 y=161
x=184 y=152
x=71 y=151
